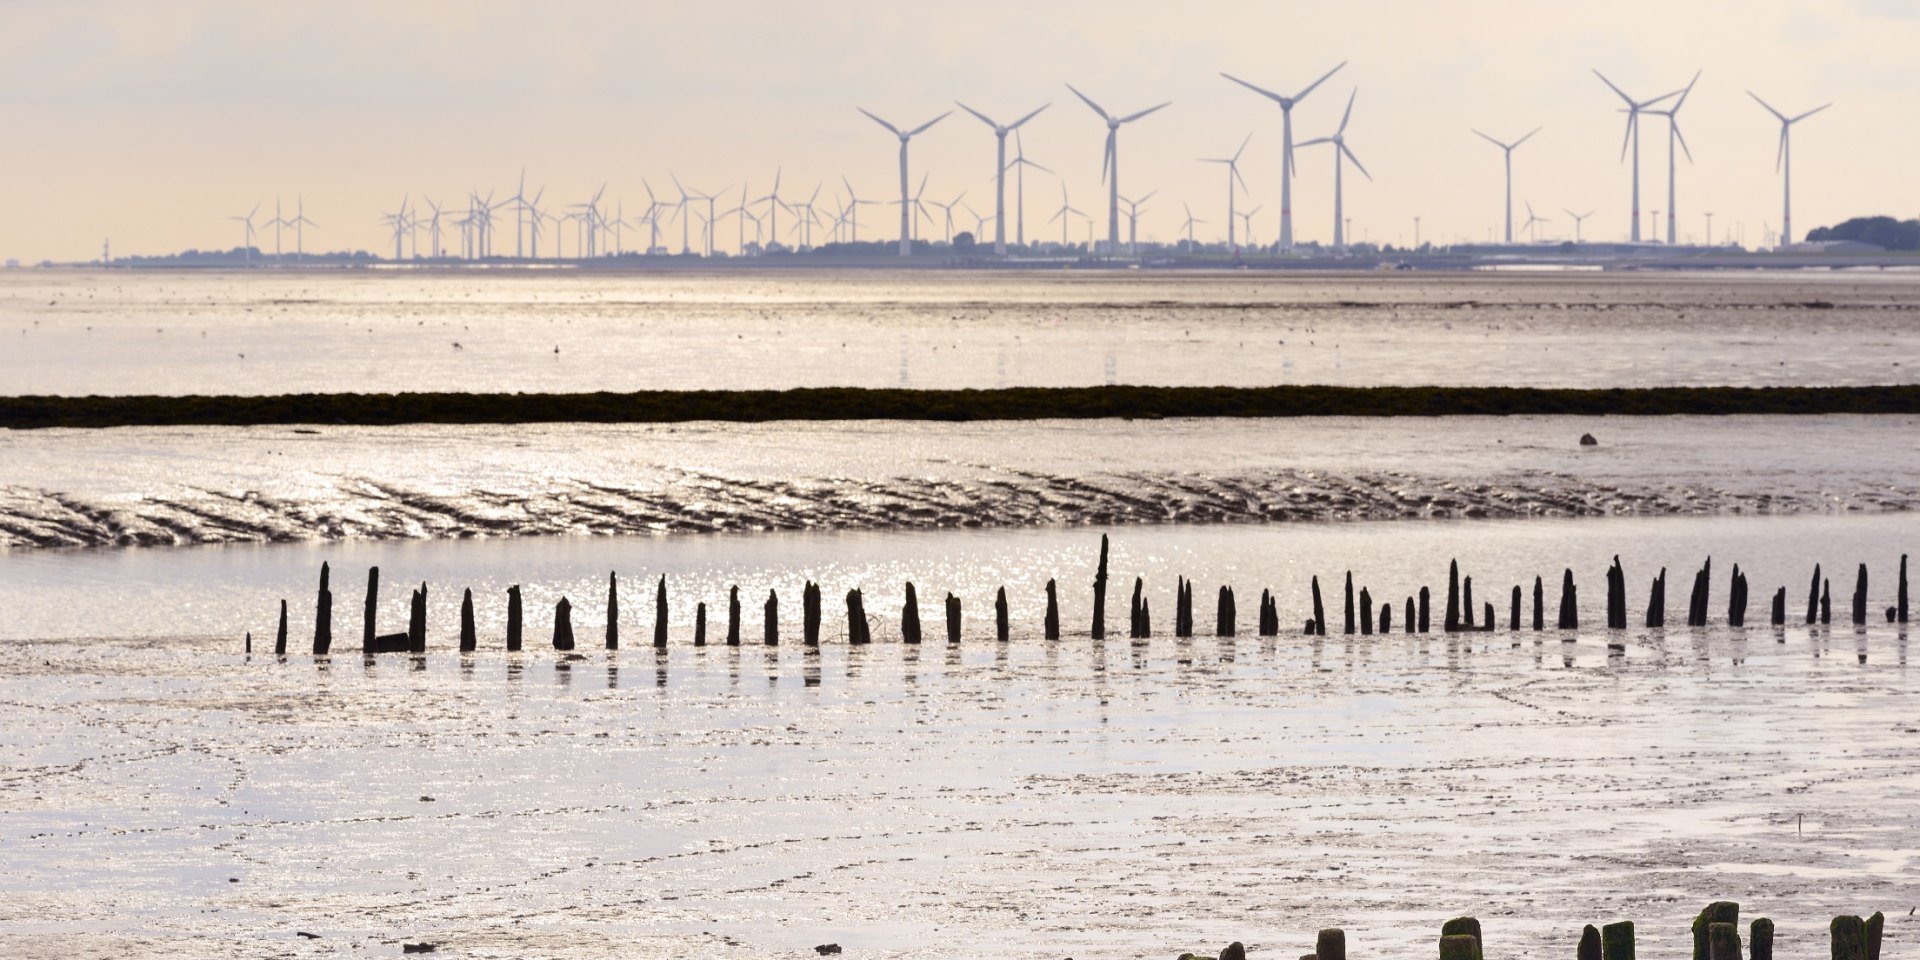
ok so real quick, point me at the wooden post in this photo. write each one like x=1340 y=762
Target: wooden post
x=1813 y=595
x=1719 y=911
x=1319 y=611
x=1539 y=605
x=1826 y=602
x=1331 y=944
x=1346 y=619
x=1513 y=611
x=857 y=633
x=247 y=644
x=810 y=614
x=733 y=616
x=1183 y=609
x=1267 y=619
x=660 y=614
x=1133 y=611
x=1001 y=629
x=773 y=618
x=323 y=615
x=1486 y=620
x=1410 y=620
x=1426 y=625
x=1900 y=604
x=1723 y=941
x=1146 y=617
x=280 y=635
x=469 y=640
x=953 y=620
x=1100 y=593
x=1464 y=927
x=1466 y=603
x=1760 y=933
x=1569 y=603
x=1737 y=599
x=1860 y=597
x=373 y=604
x=417 y=623
x=1053 y=611
x=1459 y=947
x=513 y=619
x=910 y=617
x=563 y=625
x=613 y=611
x=1657 y=601
x=1224 y=627
x=1780 y=607
x=1616 y=596
x=1849 y=938
x=1589 y=948
x=1616 y=941
x=1452 y=622
x=700 y=624
x=1386 y=618
x=1874 y=925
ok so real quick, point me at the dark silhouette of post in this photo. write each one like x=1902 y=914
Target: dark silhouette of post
x=1900 y=603
x=1860 y=597
x=417 y=623
x=1657 y=601
x=563 y=625
x=1589 y=948
x=810 y=614
x=1224 y=622
x=1569 y=603
x=1452 y=622
x=280 y=635
x=469 y=639
x=773 y=619
x=700 y=624
x=733 y=616
x=1319 y=611
x=660 y=614
x=1133 y=611
x=1760 y=934
x=1737 y=599
x=910 y=617
x=1813 y=595
x=1616 y=941
x=857 y=631
x=1513 y=611
x=613 y=611
x=373 y=606
x=1466 y=603
x=1539 y=605
x=1386 y=618
x=1001 y=628
x=1780 y=607
x=1100 y=593
x=1426 y=610
x=513 y=619
x=1053 y=611
x=1366 y=612
x=1409 y=619
x=323 y=613
x=953 y=620
x=1346 y=619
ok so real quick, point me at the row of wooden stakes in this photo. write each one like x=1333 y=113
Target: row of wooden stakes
x=1358 y=611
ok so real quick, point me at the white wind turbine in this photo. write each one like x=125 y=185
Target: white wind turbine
x=1634 y=108
x=1286 y=147
x=1507 y=149
x=1246 y=224
x=854 y=203
x=1233 y=176
x=1189 y=225
x=1783 y=162
x=906 y=228
x=1675 y=137
x=279 y=221
x=1020 y=163
x=1533 y=235
x=1000 y=178
x=774 y=203
x=398 y=221
x=1110 y=163
x=1578 y=218
x=1133 y=220
x=300 y=225
x=947 y=208
x=1066 y=209
x=247 y=243
x=433 y=229
x=1341 y=153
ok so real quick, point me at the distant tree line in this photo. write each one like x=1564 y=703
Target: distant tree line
x=1883 y=232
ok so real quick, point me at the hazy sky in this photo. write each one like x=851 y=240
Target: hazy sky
x=149 y=122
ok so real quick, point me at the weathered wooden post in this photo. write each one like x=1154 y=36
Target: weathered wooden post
x=469 y=638
x=953 y=620
x=323 y=615
x=1224 y=625
x=417 y=622
x=1183 y=609
x=1813 y=595
x=372 y=609
x=1486 y=619
x=857 y=631
x=1589 y=948
x=1723 y=941
x=513 y=619
x=1458 y=946
x=613 y=611
x=810 y=614
x=1331 y=944
x=773 y=618
x=732 y=615
x=1452 y=622
x=1657 y=601
x=1466 y=603
x=1780 y=607
x=700 y=624
x=660 y=614
x=1539 y=605
x=1616 y=596
x=910 y=617
x=1053 y=611
x=1826 y=602
x=1464 y=927
x=246 y=645
x=1849 y=938
x=1266 y=613
x=1366 y=612
x=1146 y=617
x=1616 y=941
x=1513 y=611
x=1719 y=911
x=1760 y=933
x=1411 y=621
x=1346 y=619
x=1100 y=593
x=280 y=635
x=1386 y=618
x=563 y=625
x=1133 y=611
x=1860 y=597
x=1319 y=611
x=1001 y=629
x=1569 y=603
x=1874 y=925
x=1737 y=599
x=1900 y=604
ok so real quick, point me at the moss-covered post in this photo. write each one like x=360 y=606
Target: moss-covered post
x=1849 y=938
x=1720 y=911
x=469 y=639
x=1100 y=593
x=1001 y=628
x=1463 y=927
x=1589 y=948
x=323 y=615
x=563 y=625
x=1052 y=623
x=1760 y=934
x=1723 y=941
x=1331 y=944
x=910 y=617
x=1874 y=925
x=514 y=623
x=1459 y=946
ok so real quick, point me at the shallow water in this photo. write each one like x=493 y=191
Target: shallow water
x=1032 y=799
x=263 y=332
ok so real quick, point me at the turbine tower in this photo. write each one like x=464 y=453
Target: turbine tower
x=1064 y=215
x=1341 y=153
x=1508 y=149
x=247 y=245
x=1133 y=221
x=1020 y=163
x=1000 y=179
x=906 y=241
x=1110 y=163
x=1233 y=176
x=1674 y=136
x=1633 y=139
x=1286 y=147
x=1783 y=162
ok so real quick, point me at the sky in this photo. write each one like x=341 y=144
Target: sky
x=151 y=123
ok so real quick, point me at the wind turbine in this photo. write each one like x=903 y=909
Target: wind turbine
x=906 y=243
x=1020 y=164
x=278 y=222
x=1634 y=107
x=1062 y=216
x=1286 y=147
x=1246 y=223
x=772 y=199
x=433 y=229
x=519 y=198
x=1233 y=174
x=947 y=208
x=919 y=209
x=854 y=203
x=1533 y=236
x=1508 y=149
x=300 y=223
x=1341 y=153
x=1783 y=162
x=1133 y=220
x=1110 y=163
x=1188 y=226
x=1674 y=136
x=396 y=220
x=1000 y=177
x=247 y=244
x=1577 y=219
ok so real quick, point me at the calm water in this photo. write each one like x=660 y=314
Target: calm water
x=265 y=332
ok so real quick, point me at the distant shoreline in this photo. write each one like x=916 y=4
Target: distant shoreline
x=1013 y=403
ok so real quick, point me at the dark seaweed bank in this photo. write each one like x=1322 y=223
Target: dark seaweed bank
x=1015 y=403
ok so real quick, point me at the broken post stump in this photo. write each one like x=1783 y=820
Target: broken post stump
x=1616 y=941
x=1513 y=611
x=733 y=616
x=563 y=625
x=910 y=617
x=323 y=616
x=469 y=640
x=1053 y=611
x=1723 y=941
x=1589 y=948
x=372 y=608
x=1760 y=933
x=1386 y=618
x=773 y=618
x=1657 y=601
x=1319 y=611
x=660 y=614
x=1001 y=631
x=810 y=614
x=1346 y=619
x=1874 y=925
x=857 y=630
x=1569 y=603
x=1737 y=599
x=613 y=611
x=1849 y=938
x=1452 y=621
x=417 y=622
x=1813 y=595
x=1331 y=944
x=1719 y=911
x=1366 y=613
x=700 y=624
x=1409 y=620
x=1459 y=946
x=1780 y=607
x=1464 y=927
x=1100 y=593
x=1860 y=597
x=513 y=619
x=1426 y=603
x=1826 y=602
x=1900 y=602
x=1133 y=611
x=1539 y=605
x=1225 y=619
x=953 y=620
x=280 y=635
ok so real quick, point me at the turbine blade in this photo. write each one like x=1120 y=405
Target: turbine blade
x=1492 y=140
x=1680 y=136
x=1356 y=161
x=870 y=116
x=1687 y=90
x=1780 y=156
x=1106 y=156
x=1349 y=114
x=1135 y=116
x=1314 y=142
x=1302 y=95
x=1017 y=123
x=1529 y=136
x=1627 y=138
x=1756 y=99
x=1810 y=113
x=1243 y=147
x=916 y=131
x=1090 y=103
x=1610 y=86
x=1269 y=94
x=983 y=117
